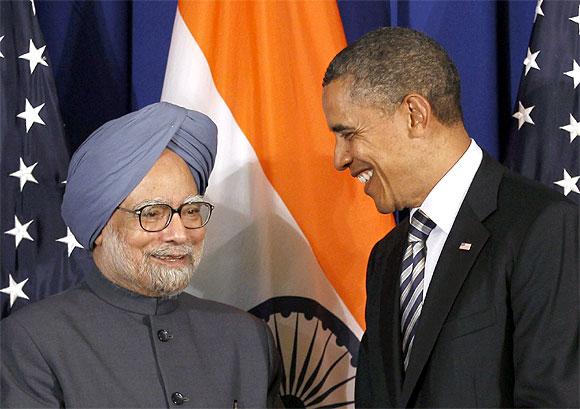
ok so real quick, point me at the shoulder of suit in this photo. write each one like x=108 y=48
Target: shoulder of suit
x=390 y=239
x=531 y=197
x=48 y=314
x=52 y=305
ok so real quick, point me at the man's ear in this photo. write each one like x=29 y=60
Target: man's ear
x=419 y=111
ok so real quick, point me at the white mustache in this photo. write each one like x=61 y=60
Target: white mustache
x=177 y=251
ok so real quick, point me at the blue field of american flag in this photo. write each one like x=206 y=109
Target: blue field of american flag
x=544 y=142
x=38 y=253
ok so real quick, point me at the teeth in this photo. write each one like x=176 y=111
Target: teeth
x=170 y=257
x=365 y=176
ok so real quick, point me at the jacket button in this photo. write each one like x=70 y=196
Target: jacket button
x=178 y=398
x=164 y=335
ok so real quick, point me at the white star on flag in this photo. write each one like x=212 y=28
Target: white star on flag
x=31 y=115
x=15 y=290
x=575 y=73
x=34 y=56
x=25 y=174
x=530 y=61
x=70 y=241
x=20 y=231
x=523 y=115
x=539 y=11
x=576 y=20
x=573 y=128
x=1 y=55
x=568 y=183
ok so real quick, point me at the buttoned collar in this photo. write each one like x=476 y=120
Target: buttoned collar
x=443 y=202
x=128 y=300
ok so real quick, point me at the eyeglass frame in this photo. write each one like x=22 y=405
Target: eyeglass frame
x=139 y=210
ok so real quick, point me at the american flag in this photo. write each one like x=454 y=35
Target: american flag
x=39 y=256
x=544 y=142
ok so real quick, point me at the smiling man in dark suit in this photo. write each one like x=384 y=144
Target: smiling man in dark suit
x=473 y=301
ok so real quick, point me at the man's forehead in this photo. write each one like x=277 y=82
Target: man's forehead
x=340 y=88
x=338 y=105
x=167 y=166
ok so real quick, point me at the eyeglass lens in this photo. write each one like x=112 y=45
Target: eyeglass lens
x=157 y=217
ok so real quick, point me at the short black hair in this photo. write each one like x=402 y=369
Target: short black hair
x=387 y=64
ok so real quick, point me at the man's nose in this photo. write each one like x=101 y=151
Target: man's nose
x=342 y=155
x=178 y=233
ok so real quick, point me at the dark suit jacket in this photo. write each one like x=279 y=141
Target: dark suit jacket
x=100 y=346
x=499 y=325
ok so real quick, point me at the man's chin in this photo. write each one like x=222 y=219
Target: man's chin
x=384 y=208
x=163 y=281
x=167 y=276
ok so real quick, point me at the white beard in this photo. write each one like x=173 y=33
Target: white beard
x=146 y=276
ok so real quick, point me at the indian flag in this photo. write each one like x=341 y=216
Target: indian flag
x=290 y=236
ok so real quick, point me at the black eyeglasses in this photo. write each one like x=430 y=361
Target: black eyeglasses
x=156 y=217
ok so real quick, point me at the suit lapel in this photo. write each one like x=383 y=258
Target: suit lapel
x=390 y=321
x=453 y=267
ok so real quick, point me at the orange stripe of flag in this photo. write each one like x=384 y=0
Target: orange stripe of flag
x=267 y=59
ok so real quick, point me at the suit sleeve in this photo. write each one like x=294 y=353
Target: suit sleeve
x=26 y=379
x=544 y=299
x=362 y=393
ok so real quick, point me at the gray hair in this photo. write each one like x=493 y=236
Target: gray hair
x=387 y=64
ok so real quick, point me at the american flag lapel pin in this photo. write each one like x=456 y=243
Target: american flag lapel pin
x=465 y=246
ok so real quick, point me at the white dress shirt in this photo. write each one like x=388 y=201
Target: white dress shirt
x=443 y=202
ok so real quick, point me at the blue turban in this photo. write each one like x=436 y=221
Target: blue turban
x=117 y=156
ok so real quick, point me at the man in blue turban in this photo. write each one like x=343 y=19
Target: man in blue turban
x=128 y=336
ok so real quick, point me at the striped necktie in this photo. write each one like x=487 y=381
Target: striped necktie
x=412 y=274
